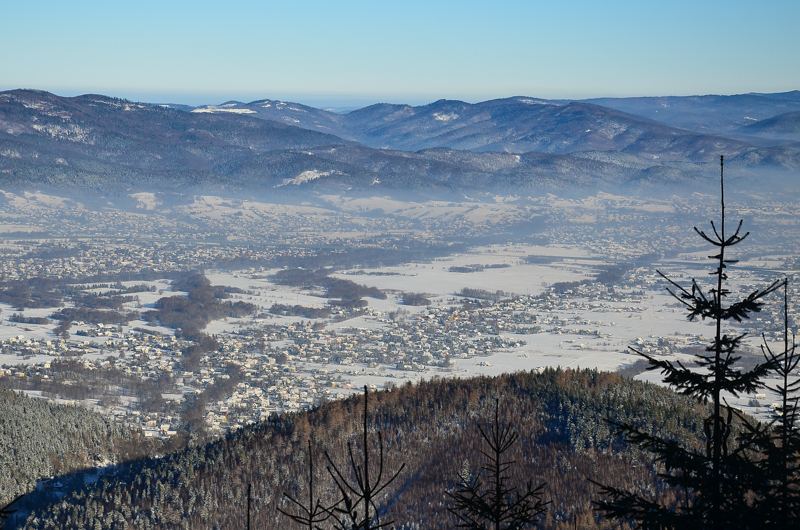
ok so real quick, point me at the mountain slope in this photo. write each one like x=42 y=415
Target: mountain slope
x=706 y=114
x=49 y=139
x=432 y=427
x=39 y=439
x=781 y=126
x=94 y=142
x=520 y=125
x=709 y=114
x=294 y=114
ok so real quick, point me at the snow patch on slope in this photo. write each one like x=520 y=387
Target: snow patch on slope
x=213 y=109
x=306 y=176
x=445 y=117
x=146 y=200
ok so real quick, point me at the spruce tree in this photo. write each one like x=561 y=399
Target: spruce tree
x=498 y=506
x=709 y=479
x=774 y=479
x=359 y=490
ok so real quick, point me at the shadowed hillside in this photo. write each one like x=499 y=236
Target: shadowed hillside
x=432 y=427
x=94 y=142
x=57 y=439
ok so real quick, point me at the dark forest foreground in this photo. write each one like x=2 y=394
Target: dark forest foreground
x=431 y=427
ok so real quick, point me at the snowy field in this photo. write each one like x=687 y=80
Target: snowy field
x=657 y=314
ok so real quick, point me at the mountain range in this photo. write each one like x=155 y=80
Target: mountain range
x=514 y=143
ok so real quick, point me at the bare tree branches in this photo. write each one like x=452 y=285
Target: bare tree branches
x=358 y=508
x=498 y=505
x=311 y=514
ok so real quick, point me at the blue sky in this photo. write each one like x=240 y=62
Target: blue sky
x=351 y=53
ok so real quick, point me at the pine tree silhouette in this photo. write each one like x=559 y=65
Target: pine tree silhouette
x=313 y=513
x=774 y=478
x=710 y=480
x=357 y=508
x=497 y=506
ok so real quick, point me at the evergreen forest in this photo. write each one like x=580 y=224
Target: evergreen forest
x=40 y=439
x=560 y=448
x=431 y=427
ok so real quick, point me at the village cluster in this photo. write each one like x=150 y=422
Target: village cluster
x=282 y=364
x=285 y=367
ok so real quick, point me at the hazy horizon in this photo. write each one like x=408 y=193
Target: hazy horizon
x=354 y=53
x=336 y=102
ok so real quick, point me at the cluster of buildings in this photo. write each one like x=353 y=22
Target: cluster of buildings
x=284 y=367
x=269 y=366
x=109 y=259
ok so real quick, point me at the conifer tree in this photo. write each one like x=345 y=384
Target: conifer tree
x=309 y=516
x=498 y=506
x=357 y=508
x=709 y=479
x=774 y=481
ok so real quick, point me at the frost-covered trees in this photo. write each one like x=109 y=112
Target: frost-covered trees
x=489 y=500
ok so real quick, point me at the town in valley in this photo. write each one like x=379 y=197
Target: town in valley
x=317 y=298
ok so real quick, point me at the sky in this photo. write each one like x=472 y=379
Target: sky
x=349 y=53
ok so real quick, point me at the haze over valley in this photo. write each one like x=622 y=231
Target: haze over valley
x=316 y=297
x=187 y=276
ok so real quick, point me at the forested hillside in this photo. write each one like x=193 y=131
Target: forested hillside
x=108 y=145
x=39 y=439
x=431 y=427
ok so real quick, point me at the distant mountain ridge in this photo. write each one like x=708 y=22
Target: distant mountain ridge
x=707 y=114
x=781 y=126
x=94 y=141
x=520 y=124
